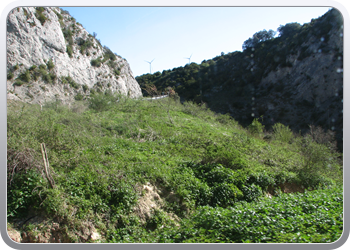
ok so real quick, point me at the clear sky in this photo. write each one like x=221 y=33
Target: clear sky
x=169 y=35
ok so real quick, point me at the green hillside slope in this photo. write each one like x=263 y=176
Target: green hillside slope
x=123 y=170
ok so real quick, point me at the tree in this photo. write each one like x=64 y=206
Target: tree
x=264 y=35
x=258 y=37
x=288 y=30
x=94 y=34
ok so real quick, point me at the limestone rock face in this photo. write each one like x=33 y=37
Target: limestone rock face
x=51 y=56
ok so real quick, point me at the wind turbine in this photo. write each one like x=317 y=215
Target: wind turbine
x=150 y=66
x=189 y=59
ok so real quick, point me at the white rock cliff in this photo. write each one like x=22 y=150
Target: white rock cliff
x=51 y=56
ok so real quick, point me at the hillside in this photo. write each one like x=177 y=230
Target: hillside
x=86 y=163
x=124 y=170
x=295 y=78
x=51 y=56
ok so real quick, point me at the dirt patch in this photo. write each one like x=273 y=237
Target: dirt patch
x=148 y=201
x=152 y=198
x=42 y=230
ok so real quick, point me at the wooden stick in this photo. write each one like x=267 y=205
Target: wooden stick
x=46 y=164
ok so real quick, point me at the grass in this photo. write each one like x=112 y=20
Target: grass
x=103 y=150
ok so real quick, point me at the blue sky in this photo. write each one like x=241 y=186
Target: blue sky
x=169 y=35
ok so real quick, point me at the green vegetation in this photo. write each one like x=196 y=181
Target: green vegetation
x=96 y=62
x=50 y=64
x=84 y=45
x=293 y=218
x=109 y=55
x=68 y=35
x=70 y=81
x=59 y=16
x=85 y=87
x=44 y=71
x=9 y=75
x=282 y=133
x=40 y=15
x=79 y=97
x=212 y=176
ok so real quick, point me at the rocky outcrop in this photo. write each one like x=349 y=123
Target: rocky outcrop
x=305 y=89
x=51 y=56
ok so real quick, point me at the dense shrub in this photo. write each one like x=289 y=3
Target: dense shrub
x=50 y=65
x=25 y=77
x=102 y=101
x=282 y=133
x=79 y=97
x=96 y=62
x=109 y=55
x=85 y=87
x=22 y=194
x=69 y=51
x=222 y=154
x=84 y=45
x=256 y=127
x=70 y=81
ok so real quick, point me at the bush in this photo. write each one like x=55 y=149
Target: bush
x=109 y=54
x=256 y=128
x=225 y=194
x=225 y=155
x=46 y=77
x=96 y=62
x=50 y=64
x=251 y=192
x=100 y=102
x=326 y=138
x=316 y=156
x=70 y=81
x=15 y=67
x=79 y=97
x=68 y=35
x=18 y=83
x=69 y=51
x=85 y=87
x=25 y=77
x=40 y=15
x=24 y=182
x=10 y=76
x=59 y=16
x=33 y=68
x=211 y=184
x=22 y=194
x=282 y=133
x=84 y=45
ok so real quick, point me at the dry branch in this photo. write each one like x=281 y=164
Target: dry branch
x=46 y=165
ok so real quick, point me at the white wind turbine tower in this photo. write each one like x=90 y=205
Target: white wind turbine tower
x=189 y=59
x=150 y=66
